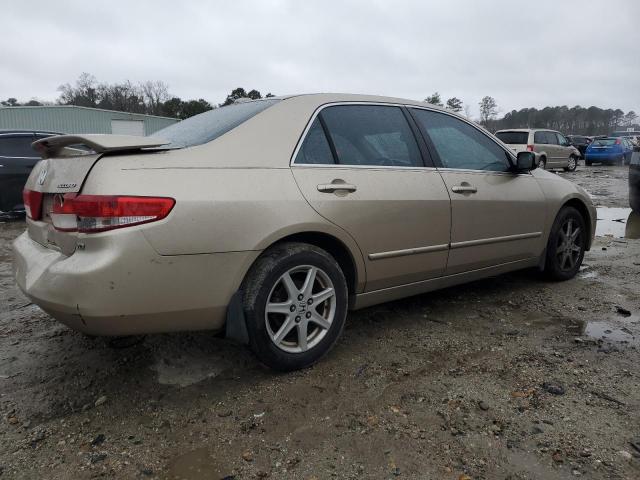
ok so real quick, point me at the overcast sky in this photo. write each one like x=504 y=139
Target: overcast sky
x=532 y=53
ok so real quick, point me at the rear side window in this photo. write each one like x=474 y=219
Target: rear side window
x=540 y=138
x=372 y=135
x=18 y=146
x=210 y=125
x=459 y=145
x=315 y=148
x=514 y=138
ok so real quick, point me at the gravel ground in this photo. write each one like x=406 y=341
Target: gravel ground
x=508 y=378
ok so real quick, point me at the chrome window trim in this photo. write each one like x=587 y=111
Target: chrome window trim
x=484 y=172
x=368 y=167
x=317 y=111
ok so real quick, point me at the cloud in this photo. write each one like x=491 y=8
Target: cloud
x=523 y=54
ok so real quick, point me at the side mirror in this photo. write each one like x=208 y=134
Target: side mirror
x=526 y=161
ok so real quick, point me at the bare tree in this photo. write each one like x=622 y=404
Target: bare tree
x=488 y=110
x=155 y=94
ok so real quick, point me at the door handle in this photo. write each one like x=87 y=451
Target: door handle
x=333 y=187
x=464 y=189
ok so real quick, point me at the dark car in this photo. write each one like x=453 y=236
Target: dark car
x=612 y=150
x=17 y=158
x=634 y=180
x=580 y=142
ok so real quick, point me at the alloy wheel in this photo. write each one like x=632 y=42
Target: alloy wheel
x=572 y=163
x=569 y=247
x=300 y=309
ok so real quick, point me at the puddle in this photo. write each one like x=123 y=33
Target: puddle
x=618 y=223
x=619 y=330
x=187 y=369
x=586 y=272
x=607 y=332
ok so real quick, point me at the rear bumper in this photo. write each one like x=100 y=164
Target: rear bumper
x=603 y=157
x=119 y=285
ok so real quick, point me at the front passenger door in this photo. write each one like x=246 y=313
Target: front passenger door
x=497 y=216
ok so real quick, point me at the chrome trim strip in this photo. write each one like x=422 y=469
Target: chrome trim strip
x=488 y=241
x=408 y=251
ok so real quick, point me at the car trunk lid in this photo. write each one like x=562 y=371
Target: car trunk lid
x=67 y=161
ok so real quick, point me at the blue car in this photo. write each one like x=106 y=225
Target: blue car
x=612 y=150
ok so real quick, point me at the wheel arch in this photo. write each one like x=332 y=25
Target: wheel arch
x=336 y=248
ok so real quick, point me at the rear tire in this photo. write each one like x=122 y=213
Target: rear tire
x=295 y=304
x=542 y=163
x=566 y=245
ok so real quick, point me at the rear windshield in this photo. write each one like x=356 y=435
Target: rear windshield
x=210 y=125
x=603 y=142
x=514 y=138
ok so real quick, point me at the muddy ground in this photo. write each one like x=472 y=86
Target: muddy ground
x=507 y=378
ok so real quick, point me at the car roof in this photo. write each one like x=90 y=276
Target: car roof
x=323 y=98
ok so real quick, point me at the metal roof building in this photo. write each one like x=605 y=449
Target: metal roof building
x=74 y=119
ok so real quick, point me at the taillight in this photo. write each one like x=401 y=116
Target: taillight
x=99 y=213
x=618 y=141
x=32 y=203
x=530 y=148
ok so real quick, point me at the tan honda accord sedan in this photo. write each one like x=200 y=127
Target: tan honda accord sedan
x=270 y=219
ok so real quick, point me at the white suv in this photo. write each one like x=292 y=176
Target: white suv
x=553 y=149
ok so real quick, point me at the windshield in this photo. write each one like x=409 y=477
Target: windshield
x=603 y=142
x=210 y=125
x=513 y=138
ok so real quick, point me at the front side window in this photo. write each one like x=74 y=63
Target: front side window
x=551 y=137
x=17 y=146
x=460 y=145
x=315 y=149
x=371 y=135
x=562 y=140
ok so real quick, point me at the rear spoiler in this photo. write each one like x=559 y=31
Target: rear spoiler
x=99 y=143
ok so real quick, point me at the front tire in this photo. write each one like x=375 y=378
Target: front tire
x=295 y=303
x=572 y=164
x=566 y=245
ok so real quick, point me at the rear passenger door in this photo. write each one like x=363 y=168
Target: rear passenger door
x=554 y=150
x=497 y=215
x=361 y=167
